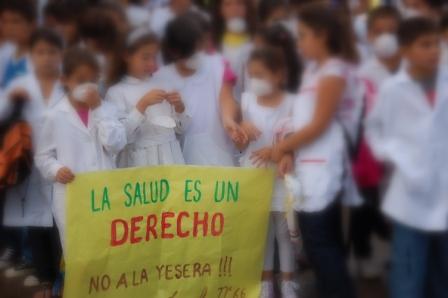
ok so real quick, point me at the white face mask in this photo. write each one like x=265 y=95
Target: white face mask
x=195 y=61
x=79 y=93
x=260 y=87
x=385 y=46
x=236 y=25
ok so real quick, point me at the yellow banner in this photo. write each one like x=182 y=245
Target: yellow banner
x=169 y=232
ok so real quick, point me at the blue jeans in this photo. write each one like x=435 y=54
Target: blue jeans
x=419 y=264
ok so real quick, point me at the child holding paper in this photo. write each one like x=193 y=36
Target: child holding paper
x=263 y=106
x=152 y=116
x=80 y=133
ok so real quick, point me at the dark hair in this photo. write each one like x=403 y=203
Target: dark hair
x=145 y=39
x=444 y=21
x=266 y=7
x=412 y=29
x=65 y=11
x=76 y=57
x=271 y=58
x=219 y=22
x=47 y=35
x=382 y=12
x=25 y=8
x=182 y=36
x=277 y=36
x=334 y=25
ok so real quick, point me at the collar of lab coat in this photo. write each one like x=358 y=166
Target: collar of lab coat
x=57 y=93
x=73 y=117
x=441 y=83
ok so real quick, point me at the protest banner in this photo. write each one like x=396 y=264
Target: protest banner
x=169 y=232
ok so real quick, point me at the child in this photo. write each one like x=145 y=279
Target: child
x=319 y=144
x=405 y=128
x=139 y=101
x=199 y=79
x=80 y=133
x=18 y=20
x=42 y=90
x=234 y=26
x=263 y=106
x=382 y=26
x=272 y=12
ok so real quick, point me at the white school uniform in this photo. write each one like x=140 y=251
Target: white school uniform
x=66 y=142
x=148 y=144
x=266 y=119
x=237 y=56
x=28 y=204
x=321 y=165
x=406 y=131
x=205 y=141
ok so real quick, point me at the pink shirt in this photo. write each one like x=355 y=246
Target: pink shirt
x=84 y=115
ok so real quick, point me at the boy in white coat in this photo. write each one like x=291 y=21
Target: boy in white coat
x=80 y=133
x=405 y=129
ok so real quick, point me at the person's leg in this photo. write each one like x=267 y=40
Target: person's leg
x=438 y=269
x=267 y=276
x=409 y=262
x=322 y=239
x=285 y=248
x=361 y=227
x=39 y=240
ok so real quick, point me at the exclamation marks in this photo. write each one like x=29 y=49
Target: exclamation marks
x=225 y=266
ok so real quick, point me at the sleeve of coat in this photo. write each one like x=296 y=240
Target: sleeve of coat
x=111 y=132
x=45 y=153
x=131 y=120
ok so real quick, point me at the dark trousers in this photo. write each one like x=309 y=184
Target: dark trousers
x=46 y=251
x=367 y=220
x=323 y=243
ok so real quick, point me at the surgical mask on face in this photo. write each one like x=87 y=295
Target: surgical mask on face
x=195 y=61
x=236 y=25
x=290 y=25
x=260 y=87
x=385 y=46
x=79 y=93
x=408 y=12
x=101 y=60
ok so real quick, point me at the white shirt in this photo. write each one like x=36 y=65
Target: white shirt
x=406 y=131
x=266 y=119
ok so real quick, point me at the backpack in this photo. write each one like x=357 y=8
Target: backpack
x=16 y=155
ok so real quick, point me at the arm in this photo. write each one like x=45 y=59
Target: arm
x=230 y=113
x=329 y=94
x=111 y=133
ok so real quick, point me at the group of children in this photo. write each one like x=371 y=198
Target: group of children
x=341 y=118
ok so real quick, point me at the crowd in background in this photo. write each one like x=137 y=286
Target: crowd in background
x=346 y=100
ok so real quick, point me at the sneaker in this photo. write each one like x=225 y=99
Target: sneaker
x=31 y=281
x=289 y=289
x=7 y=258
x=267 y=289
x=21 y=269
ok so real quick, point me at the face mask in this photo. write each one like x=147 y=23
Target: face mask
x=236 y=25
x=290 y=25
x=385 y=46
x=101 y=59
x=259 y=87
x=195 y=61
x=79 y=93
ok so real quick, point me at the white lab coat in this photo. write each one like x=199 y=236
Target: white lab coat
x=28 y=204
x=205 y=141
x=66 y=142
x=148 y=144
x=404 y=130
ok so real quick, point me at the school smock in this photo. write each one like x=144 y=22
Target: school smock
x=65 y=141
x=405 y=130
x=205 y=141
x=148 y=144
x=266 y=119
x=320 y=166
x=28 y=204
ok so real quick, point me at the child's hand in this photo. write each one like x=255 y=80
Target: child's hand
x=285 y=165
x=261 y=157
x=151 y=98
x=277 y=153
x=65 y=175
x=251 y=131
x=234 y=131
x=175 y=100
x=92 y=99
